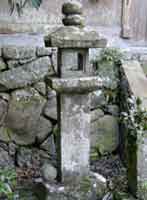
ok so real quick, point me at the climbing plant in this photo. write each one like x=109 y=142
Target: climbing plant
x=7 y=184
x=108 y=56
x=135 y=117
x=19 y=5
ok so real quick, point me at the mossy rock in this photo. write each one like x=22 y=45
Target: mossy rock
x=105 y=134
x=3 y=66
x=24 y=117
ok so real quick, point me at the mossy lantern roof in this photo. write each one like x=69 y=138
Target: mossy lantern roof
x=73 y=34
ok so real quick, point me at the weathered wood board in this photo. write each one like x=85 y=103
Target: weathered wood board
x=126 y=19
x=139 y=19
x=134 y=19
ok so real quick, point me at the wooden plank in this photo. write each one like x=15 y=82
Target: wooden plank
x=126 y=19
x=139 y=19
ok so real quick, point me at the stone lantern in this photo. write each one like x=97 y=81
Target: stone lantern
x=73 y=86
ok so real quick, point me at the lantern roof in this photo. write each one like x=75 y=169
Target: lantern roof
x=74 y=34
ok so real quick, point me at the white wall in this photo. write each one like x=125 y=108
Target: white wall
x=97 y=13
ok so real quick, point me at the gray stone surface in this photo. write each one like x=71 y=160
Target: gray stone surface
x=5 y=159
x=5 y=96
x=75 y=85
x=49 y=145
x=50 y=108
x=42 y=51
x=31 y=157
x=91 y=187
x=15 y=52
x=98 y=99
x=41 y=88
x=96 y=114
x=105 y=134
x=136 y=79
x=23 y=116
x=12 y=63
x=3 y=110
x=25 y=75
x=70 y=61
x=74 y=37
x=143 y=57
x=114 y=110
x=43 y=129
x=49 y=172
x=27 y=60
x=73 y=20
x=144 y=66
x=108 y=71
x=73 y=7
x=136 y=150
x=75 y=142
x=12 y=149
x=54 y=59
x=24 y=157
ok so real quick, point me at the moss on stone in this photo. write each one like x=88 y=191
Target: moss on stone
x=3 y=66
x=142 y=190
x=132 y=164
x=5 y=134
x=85 y=184
x=122 y=196
x=93 y=156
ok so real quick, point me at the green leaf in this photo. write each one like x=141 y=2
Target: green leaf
x=36 y=3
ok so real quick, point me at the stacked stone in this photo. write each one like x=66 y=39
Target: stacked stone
x=27 y=113
x=73 y=14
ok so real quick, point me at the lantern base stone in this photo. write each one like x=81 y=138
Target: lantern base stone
x=90 y=187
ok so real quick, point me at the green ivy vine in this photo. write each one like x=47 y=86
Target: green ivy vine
x=135 y=118
x=7 y=184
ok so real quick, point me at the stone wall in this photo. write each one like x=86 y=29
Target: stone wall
x=104 y=106
x=28 y=114
x=25 y=122
x=97 y=13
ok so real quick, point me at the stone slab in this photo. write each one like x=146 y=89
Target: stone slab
x=137 y=150
x=75 y=85
x=75 y=139
x=15 y=52
x=105 y=134
x=136 y=78
x=74 y=37
x=91 y=187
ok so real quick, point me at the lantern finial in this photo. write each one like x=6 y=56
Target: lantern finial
x=72 y=11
